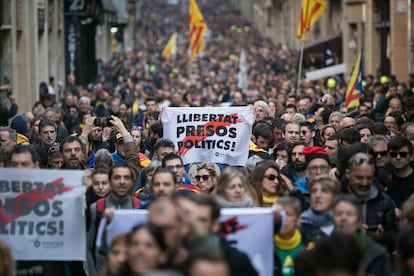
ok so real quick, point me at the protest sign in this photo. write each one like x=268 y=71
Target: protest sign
x=248 y=229
x=209 y=134
x=251 y=231
x=42 y=214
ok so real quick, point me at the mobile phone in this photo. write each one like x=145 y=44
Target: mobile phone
x=102 y=121
x=372 y=228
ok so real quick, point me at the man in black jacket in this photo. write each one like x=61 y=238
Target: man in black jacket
x=379 y=212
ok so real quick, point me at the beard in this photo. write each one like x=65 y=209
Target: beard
x=299 y=166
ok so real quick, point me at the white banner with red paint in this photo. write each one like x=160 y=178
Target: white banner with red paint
x=248 y=229
x=42 y=214
x=251 y=231
x=209 y=134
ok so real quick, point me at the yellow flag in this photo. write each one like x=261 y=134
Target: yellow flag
x=197 y=29
x=171 y=47
x=310 y=13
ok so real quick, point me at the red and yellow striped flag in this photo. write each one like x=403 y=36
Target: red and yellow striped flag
x=354 y=89
x=197 y=29
x=310 y=13
x=171 y=47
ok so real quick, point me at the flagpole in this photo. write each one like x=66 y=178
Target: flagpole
x=302 y=46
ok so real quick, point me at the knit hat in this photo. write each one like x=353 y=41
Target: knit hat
x=19 y=123
x=315 y=152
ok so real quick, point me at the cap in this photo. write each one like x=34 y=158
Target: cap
x=331 y=83
x=19 y=124
x=118 y=137
x=315 y=152
x=384 y=80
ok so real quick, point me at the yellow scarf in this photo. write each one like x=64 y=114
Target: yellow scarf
x=269 y=200
x=21 y=139
x=289 y=243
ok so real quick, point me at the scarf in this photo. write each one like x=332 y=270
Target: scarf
x=224 y=203
x=22 y=140
x=269 y=200
x=290 y=243
x=316 y=219
x=362 y=240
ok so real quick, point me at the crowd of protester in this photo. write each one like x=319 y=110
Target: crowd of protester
x=340 y=181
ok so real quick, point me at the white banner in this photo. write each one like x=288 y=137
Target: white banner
x=248 y=229
x=209 y=134
x=42 y=214
x=251 y=231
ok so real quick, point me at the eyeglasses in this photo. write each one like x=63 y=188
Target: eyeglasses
x=361 y=160
x=402 y=154
x=381 y=153
x=271 y=177
x=177 y=167
x=205 y=177
x=350 y=126
x=322 y=168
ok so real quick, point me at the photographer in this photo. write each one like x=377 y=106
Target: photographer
x=5 y=113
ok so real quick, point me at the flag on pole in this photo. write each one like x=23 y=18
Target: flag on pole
x=171 y=47
x=310 y=13
x=197 y=29
x=354 y=89
x=242 y=75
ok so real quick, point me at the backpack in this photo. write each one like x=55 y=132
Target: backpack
x=100 y=208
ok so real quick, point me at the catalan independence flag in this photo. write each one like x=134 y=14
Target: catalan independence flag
x=171 y=47
x=197 y=29
x=310 y=13
x=354 y=89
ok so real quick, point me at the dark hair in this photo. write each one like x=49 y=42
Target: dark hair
x=406 y=242
x=100 y=171
x=164 y=170
x=326 y=257
x=359 y=147
x=350 y=135
x=399 y=142
x=25 y=149
x=264 y=130
x=47 y=122
x=163 y=143
x=207 y=200
x=256 y=178
x=171 y=156
x=351 y=199
x=153 y=230
x=119 y=165
x=157 y=128
x=379 y=128
x=71 y=139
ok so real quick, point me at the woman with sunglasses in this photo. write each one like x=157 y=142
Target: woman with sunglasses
x=232 y=190
x=268 y=183
x=316 y=222
x=206 y=177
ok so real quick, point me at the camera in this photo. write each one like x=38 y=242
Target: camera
x=102 y=121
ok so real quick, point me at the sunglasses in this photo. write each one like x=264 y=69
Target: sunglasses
x=139 y=128
x=204 y=177
x=402 y=154
x=271 y=177
x=361 y=160
x=381 y=153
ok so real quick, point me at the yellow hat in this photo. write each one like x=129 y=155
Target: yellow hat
x=384 y=80
x=331 y=83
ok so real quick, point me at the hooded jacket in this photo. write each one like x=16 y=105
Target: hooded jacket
x=378 y=208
